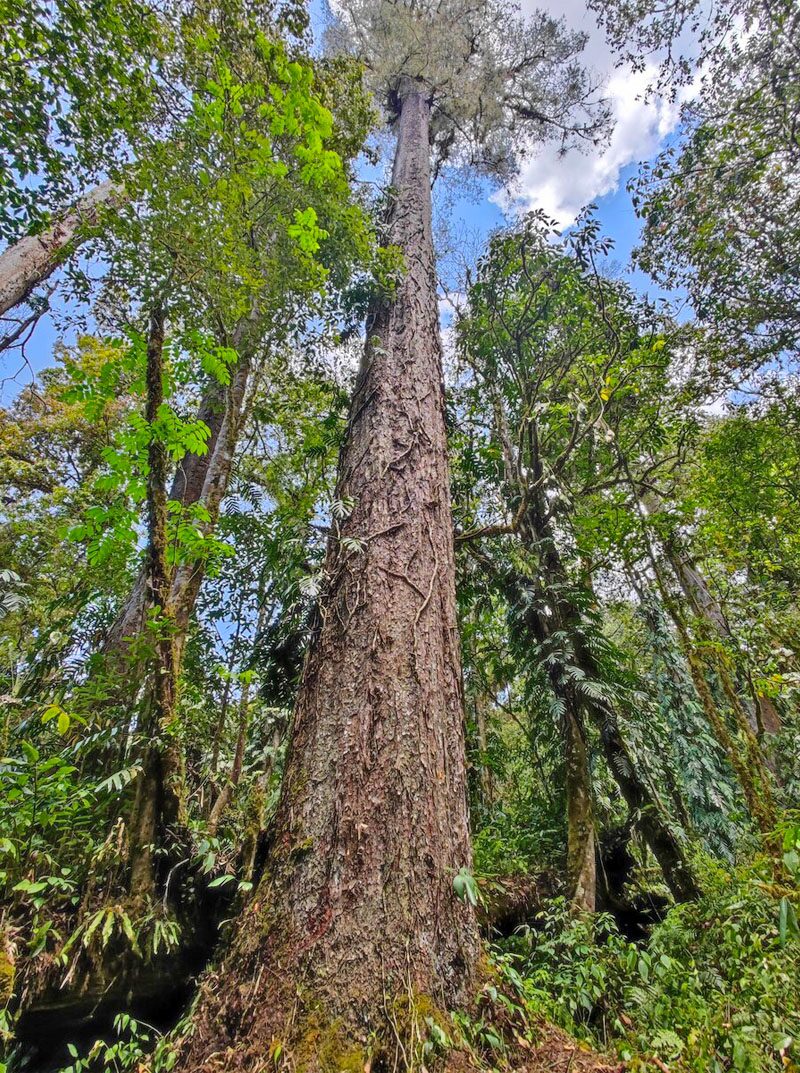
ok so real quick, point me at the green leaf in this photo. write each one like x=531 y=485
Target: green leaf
x=221 y=880
x=787 y=922
x=466 y=888
x=30 y=751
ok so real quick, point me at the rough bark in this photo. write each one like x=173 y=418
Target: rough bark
x=356 y=913
x=33 y=259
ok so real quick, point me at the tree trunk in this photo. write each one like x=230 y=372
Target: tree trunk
x=645 y=807
x=634 y=786
x=695 y=589
x=216 y=478
x=34 y=258
x=198 y=478
x=158 y=803
x=763 y=717
x=581 y=867
x=485 y=776
x=749 y=770
x=156 y=788
x=225 y=795
x=356 y=927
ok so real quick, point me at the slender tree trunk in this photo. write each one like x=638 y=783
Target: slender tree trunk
x=643 y=803
x=750 y=769
x=226 y=793
x=33 y=259
x=158 y=803
x=764 y=717
x=155 y=788
x=189 y=577
x=696 y=589
x=634 y=786
x=535 y=530
x=638 y=793
x=198 y=478
x=485 y=777
x=679 y=682
x=581 y=866
x=356 y=918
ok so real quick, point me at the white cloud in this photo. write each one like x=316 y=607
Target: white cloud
x=716 y=407
x=563 y=185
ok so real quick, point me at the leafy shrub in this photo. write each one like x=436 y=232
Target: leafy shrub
x=714 y=989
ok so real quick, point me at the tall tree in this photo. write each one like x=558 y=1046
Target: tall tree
x=265 y=137
x=554 y=352
x=358 y=911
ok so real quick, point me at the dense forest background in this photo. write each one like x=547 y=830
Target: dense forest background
x=382 y=691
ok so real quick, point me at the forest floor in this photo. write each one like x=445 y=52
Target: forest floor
x=550 y=1050
x=556 y=1052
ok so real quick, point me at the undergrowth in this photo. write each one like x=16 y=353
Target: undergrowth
x=715 y=988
